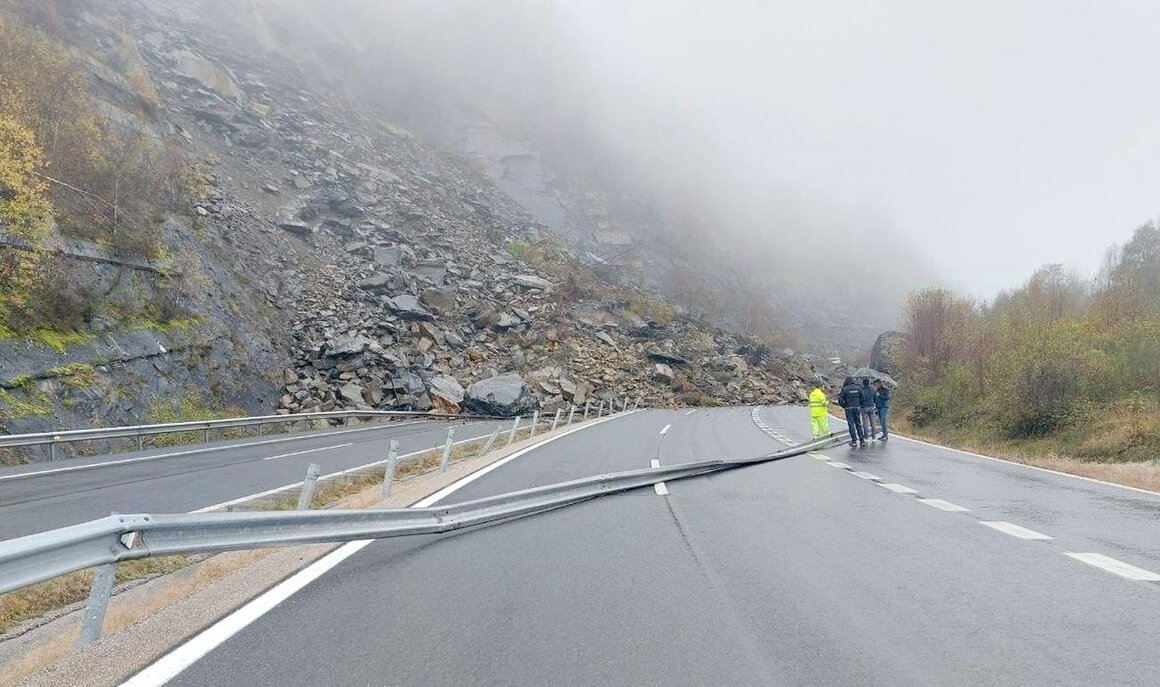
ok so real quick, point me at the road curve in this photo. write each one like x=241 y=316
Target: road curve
x=853 y=568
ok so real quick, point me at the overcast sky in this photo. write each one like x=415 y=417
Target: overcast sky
x=993 y=136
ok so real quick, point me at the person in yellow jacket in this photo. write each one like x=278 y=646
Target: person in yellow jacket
x=819 y=412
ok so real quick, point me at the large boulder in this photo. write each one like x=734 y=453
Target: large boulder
x=441 y=300
x=531 y=281
x=505 y=396
x=446 y=393
x=887 y=352
x=408 y=307
x=345 y=345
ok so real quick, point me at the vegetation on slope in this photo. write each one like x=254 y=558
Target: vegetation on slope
x=1059 y=366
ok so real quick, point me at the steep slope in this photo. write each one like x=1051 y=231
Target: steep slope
x=330 y=259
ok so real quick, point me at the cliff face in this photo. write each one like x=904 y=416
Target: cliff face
x=328 y=258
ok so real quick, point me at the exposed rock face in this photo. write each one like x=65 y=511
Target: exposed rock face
x=505 y=395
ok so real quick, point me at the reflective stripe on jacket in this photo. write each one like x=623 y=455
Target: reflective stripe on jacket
x=818 y=403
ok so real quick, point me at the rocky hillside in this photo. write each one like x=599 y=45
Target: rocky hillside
x=330 y=259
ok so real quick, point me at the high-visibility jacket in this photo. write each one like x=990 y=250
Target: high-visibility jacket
x=818 y=403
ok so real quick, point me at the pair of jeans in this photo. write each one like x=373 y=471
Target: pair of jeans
x=854 y=424
x=868 y=422
x=882 y=413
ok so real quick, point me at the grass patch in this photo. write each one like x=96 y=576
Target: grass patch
x=55 y=339
x=76 y=375
x=166 y=326
x=13 y=408
x=39 y=599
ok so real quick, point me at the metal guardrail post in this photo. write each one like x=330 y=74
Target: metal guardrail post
x=512 y=434
x=625 y=404
x=636 y=406
x=94 y=618
x=447 y=450
x=571 y=412
x=260 y=425
x=490 y=442
x=535 y=421
x=140 y=441
x=306 y=496
x=587 y=405
x=556 y=420
x=392 y=465
x=600 y=411
x=52 y=450
x=205 y=436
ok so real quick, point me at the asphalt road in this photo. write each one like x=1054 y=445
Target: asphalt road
x=799 y=572
x=43 y=496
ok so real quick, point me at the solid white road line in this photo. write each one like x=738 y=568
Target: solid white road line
x=819 y=456
x=866 y=475
x=358 y=468
x=899 y=488
x=1115 y=567
x=211 y=449
x=839 y=464
x=309 y=450
x=662 y=490
x=945 y=505
x=173 y=663
x=665 y=430
x=1015 y=530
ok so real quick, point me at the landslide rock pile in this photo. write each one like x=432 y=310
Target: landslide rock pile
x=398 y=271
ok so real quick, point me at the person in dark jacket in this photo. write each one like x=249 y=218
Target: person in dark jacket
x=866 y=399
x=882 y=403
x=850 y=398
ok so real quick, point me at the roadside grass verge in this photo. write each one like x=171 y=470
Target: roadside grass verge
x=1121 y=449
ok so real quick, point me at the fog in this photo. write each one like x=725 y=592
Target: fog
x=900 y=143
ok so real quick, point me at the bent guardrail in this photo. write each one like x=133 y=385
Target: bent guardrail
x=35 y=558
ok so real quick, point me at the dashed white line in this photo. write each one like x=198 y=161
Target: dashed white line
x=866 y=476
x=839 y=464
x=665 y=430
x=1114 y=566
x=1015 y=530
x=818 y=456
x=898 y=488
x=691 y=411
x=655 y=463
x=662 y=490
x=309 y=450
x=945 y=505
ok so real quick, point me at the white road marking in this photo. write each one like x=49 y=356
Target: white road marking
x=945 y=505
x=665 y=430
x=839 y=464
x=899 y=488
x=819 y=456
x=1115 y=567
x=662 y=490
x=691 y=412
x=172 y=664
x=655 y=463
x=866 y=476
x=309 y=450
x=358 y=468
x=1015 y=530
x=1021 y=465
x=174 y=454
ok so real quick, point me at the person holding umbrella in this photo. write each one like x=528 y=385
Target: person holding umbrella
x=882 y=403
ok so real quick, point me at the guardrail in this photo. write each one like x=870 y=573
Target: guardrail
x=140 y=432
x=35 y=558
